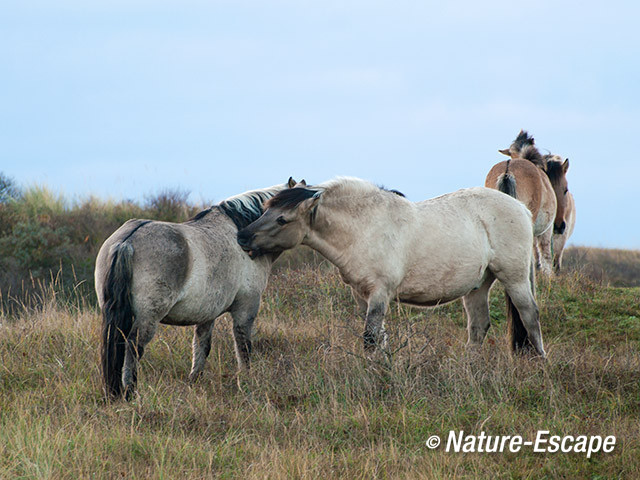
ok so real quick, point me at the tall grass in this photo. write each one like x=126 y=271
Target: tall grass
x=312 y=406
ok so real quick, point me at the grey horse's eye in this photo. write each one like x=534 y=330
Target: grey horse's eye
x=566 y=190
x=281 y=221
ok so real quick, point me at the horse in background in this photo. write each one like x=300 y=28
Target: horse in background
x=425 y=253
x=539 y=181
x=151 y=272
x=560 y=240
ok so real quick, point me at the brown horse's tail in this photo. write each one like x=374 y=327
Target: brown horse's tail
x=507 y=182
x=518 y=333
x=117 y=318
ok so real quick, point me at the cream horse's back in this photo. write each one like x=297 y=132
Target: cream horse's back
x=424 y=253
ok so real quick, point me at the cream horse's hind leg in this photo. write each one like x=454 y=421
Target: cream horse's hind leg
x=476 y=305
x=522 y=297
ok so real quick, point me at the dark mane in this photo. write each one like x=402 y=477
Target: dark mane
x=200 y=215
x=532 y=154
x=554 y=170
x=290 y=198
x=522 y=140
x=397 y=192
x=245 y=209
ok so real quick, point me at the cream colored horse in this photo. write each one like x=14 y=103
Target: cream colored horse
x=540 y=183
x=424 y=253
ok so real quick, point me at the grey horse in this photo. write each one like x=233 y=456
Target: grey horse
x=151 y=272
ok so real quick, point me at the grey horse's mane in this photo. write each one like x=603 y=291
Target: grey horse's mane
x=244 y=208
x=247 y=207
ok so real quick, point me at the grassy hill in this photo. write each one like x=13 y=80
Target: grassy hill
x=311 y=406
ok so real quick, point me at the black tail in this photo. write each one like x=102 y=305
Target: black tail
x=507 y=183
x=117 y=318
x=518 y=333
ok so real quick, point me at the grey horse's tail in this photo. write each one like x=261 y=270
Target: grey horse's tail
x=518 y=333
x=117 y=318
x=507 y=182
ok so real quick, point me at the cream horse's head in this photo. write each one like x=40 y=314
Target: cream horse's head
x=286 y=221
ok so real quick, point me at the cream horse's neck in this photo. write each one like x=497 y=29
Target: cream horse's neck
x=330 y=241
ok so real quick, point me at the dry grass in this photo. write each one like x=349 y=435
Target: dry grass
x=312 y=406
x=620 y=268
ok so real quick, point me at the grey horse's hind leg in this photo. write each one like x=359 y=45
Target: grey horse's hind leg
x=201 y=348
x=244 y=313
x=374 y=332
x=476 y=305
x=141 y=334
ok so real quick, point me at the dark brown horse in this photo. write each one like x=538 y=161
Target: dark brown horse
x=539 y=181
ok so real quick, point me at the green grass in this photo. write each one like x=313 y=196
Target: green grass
x=312 y=406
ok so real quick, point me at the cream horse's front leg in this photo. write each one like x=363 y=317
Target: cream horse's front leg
x=374 y=332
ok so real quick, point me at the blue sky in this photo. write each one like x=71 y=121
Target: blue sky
x=124 y=98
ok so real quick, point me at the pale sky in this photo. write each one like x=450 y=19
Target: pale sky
x=121 y=99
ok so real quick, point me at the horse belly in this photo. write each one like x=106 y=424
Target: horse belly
x=452 y=271
x=433 y=287
x=203 y=298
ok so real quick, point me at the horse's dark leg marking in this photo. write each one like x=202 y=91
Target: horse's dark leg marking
x=201 y=347
x=522 y=298
x=374 y=333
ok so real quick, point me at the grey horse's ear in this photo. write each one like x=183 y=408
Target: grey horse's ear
x=291 y=182
x=565 y=166
x=505 y=151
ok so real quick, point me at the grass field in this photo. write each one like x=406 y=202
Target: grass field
x=312 y=406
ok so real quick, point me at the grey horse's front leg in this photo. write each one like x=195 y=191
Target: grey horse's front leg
x=244 y=313
x=201 y=348
x=374 y=332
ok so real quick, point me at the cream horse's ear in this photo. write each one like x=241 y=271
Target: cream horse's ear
x=311 y=203
x=505 y=151
x=301 y=183
x=565 y=166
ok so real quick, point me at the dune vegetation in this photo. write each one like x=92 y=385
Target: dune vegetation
x=311 y=406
